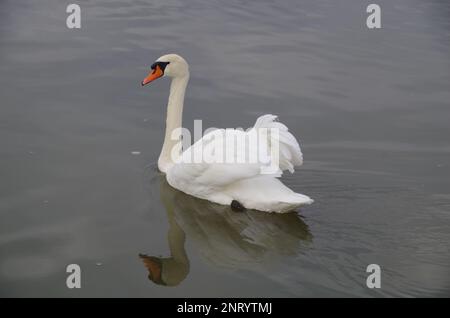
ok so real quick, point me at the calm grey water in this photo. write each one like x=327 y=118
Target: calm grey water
x=371 y=108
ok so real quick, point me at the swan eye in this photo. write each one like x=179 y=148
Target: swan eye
x=162 y=65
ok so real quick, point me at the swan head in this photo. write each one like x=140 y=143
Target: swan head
x=170 y=65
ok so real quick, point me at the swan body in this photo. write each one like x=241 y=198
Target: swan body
x=254 y=184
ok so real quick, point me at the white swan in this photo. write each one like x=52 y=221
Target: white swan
x=241 y=185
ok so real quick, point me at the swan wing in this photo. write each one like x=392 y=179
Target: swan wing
x=290 y=154
x=210 y=163
x=214 y=166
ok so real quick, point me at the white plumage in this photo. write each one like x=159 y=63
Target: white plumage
x=245 y=181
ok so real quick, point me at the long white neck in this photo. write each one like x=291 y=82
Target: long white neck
x=173 y=121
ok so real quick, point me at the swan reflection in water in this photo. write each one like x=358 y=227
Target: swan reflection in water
x=223 y=237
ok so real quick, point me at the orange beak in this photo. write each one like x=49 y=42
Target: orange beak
x=157 y=73
x=154 y=267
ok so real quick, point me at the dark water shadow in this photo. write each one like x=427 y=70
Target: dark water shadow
x=223 y=237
